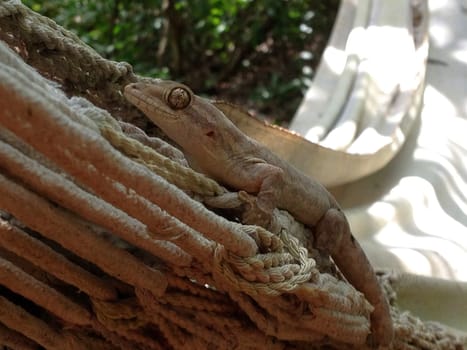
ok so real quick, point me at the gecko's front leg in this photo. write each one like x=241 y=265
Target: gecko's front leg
x=268 y=181
x=333 y=235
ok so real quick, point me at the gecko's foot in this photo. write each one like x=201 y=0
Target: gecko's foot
x=253 y=213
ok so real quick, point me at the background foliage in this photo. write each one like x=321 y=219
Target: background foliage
x=256 y=53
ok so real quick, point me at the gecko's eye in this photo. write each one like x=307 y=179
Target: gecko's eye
x=178 y=98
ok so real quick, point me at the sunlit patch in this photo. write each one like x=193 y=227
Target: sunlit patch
x=452 y=182
x=426 y=212
x=305 y=28
x=460 y=55
x=437 y=104
x=387 y=68
x=313 y=134
x=306 y=55
x=440 y=34
x=341 y=136
x=412 y=261
x=369 y=141
x=418 y=225
x=334 y=59
x=383 y=211
x=423 y=254
x=356 y=41
x=436 y=5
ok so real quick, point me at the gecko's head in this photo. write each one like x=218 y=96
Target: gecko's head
x=168 y=98
x=187 y=119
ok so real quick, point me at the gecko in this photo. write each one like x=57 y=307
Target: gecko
x=216 y=147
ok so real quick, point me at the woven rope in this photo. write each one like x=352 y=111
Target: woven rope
x=155 y=269
x=181 y=176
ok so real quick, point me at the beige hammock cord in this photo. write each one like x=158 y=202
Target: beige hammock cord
x=105 y=242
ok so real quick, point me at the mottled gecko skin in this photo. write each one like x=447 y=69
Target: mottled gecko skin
x=215 y=146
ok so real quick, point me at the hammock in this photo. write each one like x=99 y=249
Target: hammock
x=105 y=242
x=367 y=91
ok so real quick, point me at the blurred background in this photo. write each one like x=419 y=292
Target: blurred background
x=259 y=54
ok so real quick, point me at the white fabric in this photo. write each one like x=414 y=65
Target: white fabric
x=412 y=215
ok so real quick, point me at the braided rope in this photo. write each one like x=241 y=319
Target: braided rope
x=189 y=313
x=181 y=176
x=267 y=274
x=40 y=30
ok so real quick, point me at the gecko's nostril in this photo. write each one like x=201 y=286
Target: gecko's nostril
x=130 y=87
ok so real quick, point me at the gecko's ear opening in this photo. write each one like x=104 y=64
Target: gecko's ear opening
x=179 y=97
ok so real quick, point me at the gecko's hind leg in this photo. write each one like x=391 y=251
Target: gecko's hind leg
x=333 y=235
